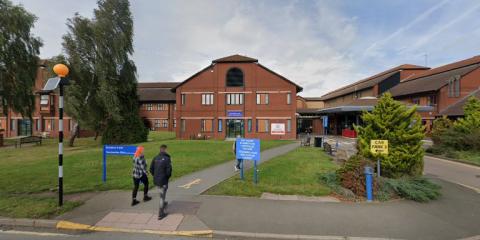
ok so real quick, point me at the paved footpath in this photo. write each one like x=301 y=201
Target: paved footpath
x=455 y=215
x=112 y=208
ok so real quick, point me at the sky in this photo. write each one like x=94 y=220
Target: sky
x=320 y=45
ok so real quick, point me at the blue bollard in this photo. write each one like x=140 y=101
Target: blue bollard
x=368 y=177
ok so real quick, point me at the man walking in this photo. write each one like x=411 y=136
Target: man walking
x=161 y=169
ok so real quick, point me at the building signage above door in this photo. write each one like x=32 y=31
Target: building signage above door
x=234 y=114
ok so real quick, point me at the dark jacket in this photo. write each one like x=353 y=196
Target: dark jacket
x=161 y=169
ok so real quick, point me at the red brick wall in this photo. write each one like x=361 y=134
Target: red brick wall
x=256 y=79
x=155 y=114
x=468 y=83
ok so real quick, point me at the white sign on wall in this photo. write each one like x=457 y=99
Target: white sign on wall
x=278 y=129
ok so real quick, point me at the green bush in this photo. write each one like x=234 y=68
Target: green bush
x=402 y=127
x=417 y=189
x=440 y=126
x=451 y=154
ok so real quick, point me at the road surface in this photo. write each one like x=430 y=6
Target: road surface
x=459 y=173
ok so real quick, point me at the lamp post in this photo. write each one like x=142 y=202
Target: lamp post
x=60 y=81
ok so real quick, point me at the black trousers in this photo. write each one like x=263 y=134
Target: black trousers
x=136 y=184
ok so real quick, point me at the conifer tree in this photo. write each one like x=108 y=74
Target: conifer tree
x=471 y=120
x=393 y=121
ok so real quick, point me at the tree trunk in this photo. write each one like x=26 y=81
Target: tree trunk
x=96 y=135
x=76 y=132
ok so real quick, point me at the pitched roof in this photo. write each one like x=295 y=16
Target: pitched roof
x=432 y=80
x=456 y=109
x=370 y=81
x=157 y=84
x=445 y=68
x=156 y=92
x=237 y=58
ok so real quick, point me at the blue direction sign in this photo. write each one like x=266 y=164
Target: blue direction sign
x=248 y=149
x=234 y=114
x=115 y=150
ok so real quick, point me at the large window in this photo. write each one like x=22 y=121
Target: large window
x=182 y=125
x=432 y=100
x=157 y=123
x=234 y=77
x=207 y=125
x=454 y=87
x=263 y=125
x=262 y=98
x=162 y=107
x=149 y=107
x=234 y=98
x=183 y=98
x=207 y=99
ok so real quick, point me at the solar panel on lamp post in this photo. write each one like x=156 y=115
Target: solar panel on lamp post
x=53 y=83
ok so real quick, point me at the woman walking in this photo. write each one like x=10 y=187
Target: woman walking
x=139 y=175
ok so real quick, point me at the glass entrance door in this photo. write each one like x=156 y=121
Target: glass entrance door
x=235 y=127
x=24 y=127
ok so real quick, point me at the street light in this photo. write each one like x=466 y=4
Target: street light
x=60 y=81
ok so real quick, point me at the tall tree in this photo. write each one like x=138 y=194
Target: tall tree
x=393 y=121
x=103 y=96
x=19 y=50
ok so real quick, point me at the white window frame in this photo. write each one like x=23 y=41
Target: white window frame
x=207 y=99
x=234 y=98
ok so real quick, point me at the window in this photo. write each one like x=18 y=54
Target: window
x=162 y=107
x=249 y=125
x=289 y=98
x=234 y=77
x=165 y=123
x=44 y=99
x=174 y=123
x=262 y=125
x=289 y=125
x=207 y=99
x=149 y=107
x=38 y=125
x=454 y=87
x=416 y=101
x=234 y=98
x=182 y=125
x=13 y=126
x=432 y=100
x=52 y=125
x=157 y=123
x=183 y=98
x=207 y=125
x=262 y=98
x=174 y=107
x=220 y=125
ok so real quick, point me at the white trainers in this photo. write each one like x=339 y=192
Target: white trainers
x=236 y=168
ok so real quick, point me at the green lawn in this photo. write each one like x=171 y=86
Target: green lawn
x=294 y=173
x=31 y=170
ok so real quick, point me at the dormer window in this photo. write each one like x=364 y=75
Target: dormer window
x=234 y=77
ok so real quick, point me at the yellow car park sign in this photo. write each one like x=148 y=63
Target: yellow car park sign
x=379 y=147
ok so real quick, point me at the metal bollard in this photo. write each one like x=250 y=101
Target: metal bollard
x=368 y=182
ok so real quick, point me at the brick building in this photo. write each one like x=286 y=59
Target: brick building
x=45 y=116
x=236 y=96
x=444 y=88
x=157 y=105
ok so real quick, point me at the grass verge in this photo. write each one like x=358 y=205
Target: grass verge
x=30 y=170
x=296 y=172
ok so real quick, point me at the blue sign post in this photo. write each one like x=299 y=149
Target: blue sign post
x=115 y=150
x=248 y=149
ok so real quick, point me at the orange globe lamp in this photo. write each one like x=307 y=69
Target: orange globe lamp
x=61 y=70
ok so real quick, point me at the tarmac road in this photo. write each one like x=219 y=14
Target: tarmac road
x=459 y=173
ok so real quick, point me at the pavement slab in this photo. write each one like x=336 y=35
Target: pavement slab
x=140 y=221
